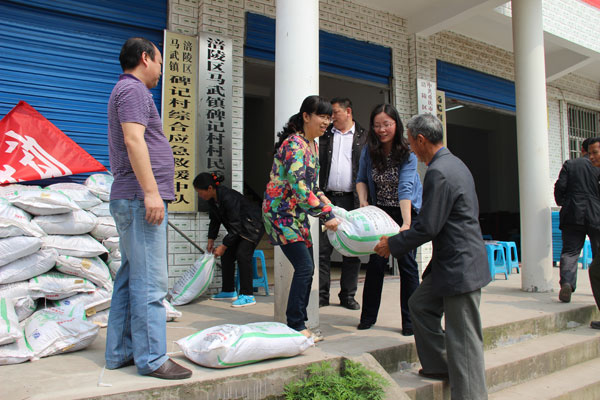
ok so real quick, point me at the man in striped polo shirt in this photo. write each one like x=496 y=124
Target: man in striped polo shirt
x=142 y=163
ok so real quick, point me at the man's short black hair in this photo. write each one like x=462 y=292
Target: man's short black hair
x=344 y=102
x=590 y=142
x=585 y=144
x=132 y=51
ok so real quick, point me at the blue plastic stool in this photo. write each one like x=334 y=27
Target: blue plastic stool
x=510 y=254
x=496 y=260
x=586 y=257
x=257 y=281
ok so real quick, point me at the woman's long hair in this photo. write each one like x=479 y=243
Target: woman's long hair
x=400 y=149
x=311 y=105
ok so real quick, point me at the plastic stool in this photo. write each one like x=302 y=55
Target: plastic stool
x=257 y=281
x=496 y=260
x=586 y=257
x=510 y=254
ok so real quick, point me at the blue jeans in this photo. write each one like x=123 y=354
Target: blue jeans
x=302 y=260
x=137 y=326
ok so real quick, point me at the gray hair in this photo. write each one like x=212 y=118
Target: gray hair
x=428 y=126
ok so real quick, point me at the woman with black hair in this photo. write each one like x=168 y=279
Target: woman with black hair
x=388 y=178
x=292 y=195
x=243 y=222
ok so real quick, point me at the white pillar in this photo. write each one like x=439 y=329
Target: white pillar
x=532 y=145
x=296 y=76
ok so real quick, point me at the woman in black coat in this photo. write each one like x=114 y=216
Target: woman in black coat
x=243 y=221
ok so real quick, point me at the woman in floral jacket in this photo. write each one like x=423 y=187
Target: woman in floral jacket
x=292 y=195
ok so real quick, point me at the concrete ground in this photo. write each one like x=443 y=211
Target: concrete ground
x=77 y=375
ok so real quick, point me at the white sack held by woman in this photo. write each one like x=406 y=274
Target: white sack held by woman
x=229 y=345
x=359 y=230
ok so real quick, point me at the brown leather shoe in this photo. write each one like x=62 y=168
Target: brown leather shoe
x=171 y=370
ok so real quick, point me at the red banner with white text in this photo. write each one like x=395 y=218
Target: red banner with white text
x=32 y=148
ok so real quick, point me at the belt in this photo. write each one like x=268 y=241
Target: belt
x=339 y=194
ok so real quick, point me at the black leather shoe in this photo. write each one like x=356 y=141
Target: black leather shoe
x=595 y=324
x=434 y=375
x=323 y=303
x=407 y=332
x=364 y=325
x=565 y=293
x=171 y=370
x=350 y=304
x=126 y=364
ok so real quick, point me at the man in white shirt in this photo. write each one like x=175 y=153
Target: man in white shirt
x=339 y=154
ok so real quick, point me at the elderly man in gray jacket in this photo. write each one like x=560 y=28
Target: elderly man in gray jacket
x=458 y=269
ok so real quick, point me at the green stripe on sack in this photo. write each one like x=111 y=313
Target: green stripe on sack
x=186 y=287
x=236 y=364
x=349 y=250
x=265 y=335
x=368 y=238
x=4 y=313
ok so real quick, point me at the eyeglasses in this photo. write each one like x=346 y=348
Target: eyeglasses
x=384 y=126
x=324 y=117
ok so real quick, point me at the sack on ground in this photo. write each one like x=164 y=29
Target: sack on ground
x=99 y=300
x=12 y=227
x=105 y=228
x=75 y=245
x=113 y=265
x=111 y=244
x=29 y=266
x=9 y=211
x=59 y=330
x=57 y=286
x=79 y=193
x=101 y=210
x=359 y=230
x=194 y=281
x=17 y=352
x=92 y=269
x=99 y=185
x=19 y=292
x=44 y=202
x=15 y=247
x=72 y=223
x=231 y=345
x=100 y=318
x=9 y=322
x=172 y=313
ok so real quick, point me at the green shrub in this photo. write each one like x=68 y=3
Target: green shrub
x=324 y=383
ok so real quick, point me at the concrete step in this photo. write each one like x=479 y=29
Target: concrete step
x=517 y=363
x=401 y=357
x=579 y=382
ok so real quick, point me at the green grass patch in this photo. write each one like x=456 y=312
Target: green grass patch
x=353 y=382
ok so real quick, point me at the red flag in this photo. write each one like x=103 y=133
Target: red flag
x=32 y=148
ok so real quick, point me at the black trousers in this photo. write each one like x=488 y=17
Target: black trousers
x=573 y=238
x=241 y=251
x=409 y=280
x=350 y=266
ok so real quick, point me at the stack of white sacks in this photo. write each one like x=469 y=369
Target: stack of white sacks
x=51 y=243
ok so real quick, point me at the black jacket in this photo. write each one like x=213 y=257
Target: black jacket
x=237 y=214
x=449 y=218
x=326 y=151
x=576 y=191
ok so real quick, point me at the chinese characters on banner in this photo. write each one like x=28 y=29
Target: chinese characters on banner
x=179 y=105
x=426 y=100
x=215 y=107
x=440 y=110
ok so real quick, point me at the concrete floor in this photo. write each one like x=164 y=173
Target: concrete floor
x=76 y=375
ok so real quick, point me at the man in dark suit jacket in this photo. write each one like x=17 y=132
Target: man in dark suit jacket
x=339 y=154
x=594 y=270
x=576 y=191
x=458 y=269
